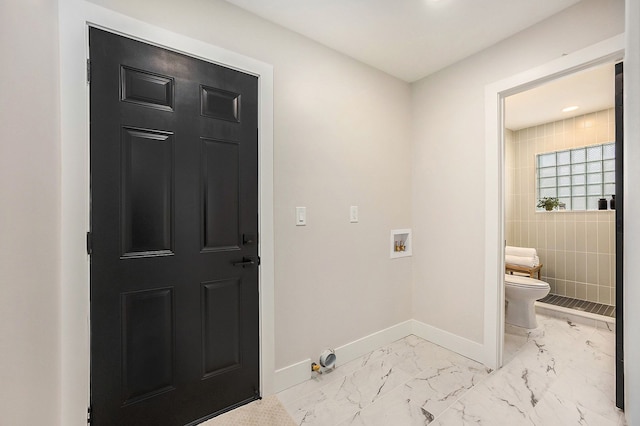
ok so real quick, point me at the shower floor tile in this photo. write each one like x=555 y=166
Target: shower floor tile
x=580 y=305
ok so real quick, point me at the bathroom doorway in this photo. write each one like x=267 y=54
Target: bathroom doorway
x=562 y=141
x=560 y=145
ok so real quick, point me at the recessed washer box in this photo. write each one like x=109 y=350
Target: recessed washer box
x=402 y=238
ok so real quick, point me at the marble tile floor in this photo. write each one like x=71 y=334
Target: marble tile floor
x=562 y=373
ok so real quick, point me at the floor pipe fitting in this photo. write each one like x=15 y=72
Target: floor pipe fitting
x=328 y=358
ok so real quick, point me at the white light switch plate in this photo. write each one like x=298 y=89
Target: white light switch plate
x=301 y=216
x=353 y=214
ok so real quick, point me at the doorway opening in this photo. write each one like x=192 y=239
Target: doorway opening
x=560 y=147
x=610 y=50
x=572 y=162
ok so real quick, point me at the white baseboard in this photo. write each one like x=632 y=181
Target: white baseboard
x=294 y=374
x=289 y=376
x=363 y=346
x=455 y=343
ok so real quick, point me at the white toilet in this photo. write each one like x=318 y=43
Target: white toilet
x=521 y=293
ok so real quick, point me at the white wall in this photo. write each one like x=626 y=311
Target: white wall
x=341 y=138
x=632 y=211
x=449 y=161
x=29 y=214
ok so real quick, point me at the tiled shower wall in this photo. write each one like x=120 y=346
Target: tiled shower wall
x=577 y=249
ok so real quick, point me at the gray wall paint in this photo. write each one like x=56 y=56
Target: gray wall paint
x=29 y=214
x=448 y=161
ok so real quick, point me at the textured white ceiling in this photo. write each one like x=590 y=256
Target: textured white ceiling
x=590 y=90
x=409 y=39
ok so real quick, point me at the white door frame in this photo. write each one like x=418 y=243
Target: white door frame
x=75 y=17
x=606 y=51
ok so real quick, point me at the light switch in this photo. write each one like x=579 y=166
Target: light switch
x=301 y=216
x=353 y=215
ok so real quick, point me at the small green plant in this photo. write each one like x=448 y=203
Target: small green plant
x=549 y=203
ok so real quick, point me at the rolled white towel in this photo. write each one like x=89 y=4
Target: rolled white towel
x=520 y=251
x=529 y=262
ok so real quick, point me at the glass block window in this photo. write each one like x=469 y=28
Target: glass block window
x=577 y=177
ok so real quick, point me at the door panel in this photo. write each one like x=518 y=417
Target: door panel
x=174 y=187
x=147 y=344
x=221 y=325
x=218 y=103
x=147 y=89
x=147 y=191
x=221 y=201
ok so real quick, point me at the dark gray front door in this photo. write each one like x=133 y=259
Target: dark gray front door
x=174 y=224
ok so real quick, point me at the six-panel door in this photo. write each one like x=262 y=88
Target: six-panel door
x=174 y=157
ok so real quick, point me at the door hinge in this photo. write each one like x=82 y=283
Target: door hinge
x=88 y=71
x=89 y=243
x=89 y=419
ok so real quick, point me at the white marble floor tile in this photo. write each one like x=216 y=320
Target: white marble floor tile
x=480 y=407
x=539 y=358
x=512 y=345
x=556 y=410
x=290 y=395
x=606 y=325
x=427 y=395
x=436 y=390
x=342 y=398
x=519 y=388
x=342 y=370
x=596 y=352
x=590 y=388
x=390 y=410
x=562 y=373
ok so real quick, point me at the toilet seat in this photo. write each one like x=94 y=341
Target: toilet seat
x=524 y=282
